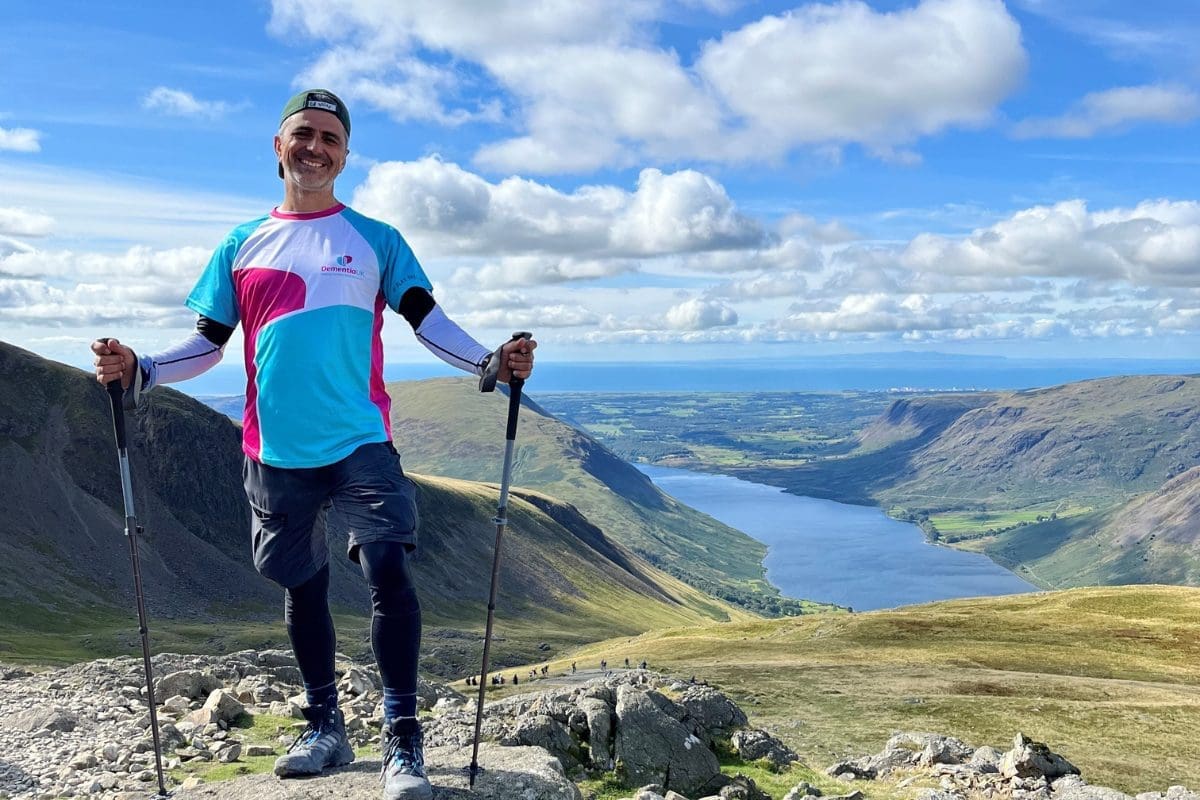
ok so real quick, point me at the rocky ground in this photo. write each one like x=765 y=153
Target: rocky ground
x=85 y=731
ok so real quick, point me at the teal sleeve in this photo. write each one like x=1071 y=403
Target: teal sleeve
x=399 y=269
x=213 y=296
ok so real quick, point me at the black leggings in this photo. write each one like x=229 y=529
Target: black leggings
x=395 y=620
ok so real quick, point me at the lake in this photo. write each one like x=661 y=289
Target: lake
x=854 y=556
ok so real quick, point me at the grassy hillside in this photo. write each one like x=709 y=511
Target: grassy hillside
x=1097 y=442
x=446 y=427
x=1151 y=539
x=66 y=582
x=1110 y=677
x=1071 y=485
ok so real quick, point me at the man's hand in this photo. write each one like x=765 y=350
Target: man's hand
x=114 y=361
x=516 y=359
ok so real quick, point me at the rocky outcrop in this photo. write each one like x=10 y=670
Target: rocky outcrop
x=84 y=731
x=1028 y=771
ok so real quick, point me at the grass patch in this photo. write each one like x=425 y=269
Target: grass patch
x=1108 y=677
x=967 y=524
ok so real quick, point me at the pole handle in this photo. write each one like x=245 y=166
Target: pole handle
x=116 y=396
x=514 y=407
x=514 y=392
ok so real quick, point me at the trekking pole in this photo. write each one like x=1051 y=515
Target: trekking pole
x=132 y=531
x=501 y=520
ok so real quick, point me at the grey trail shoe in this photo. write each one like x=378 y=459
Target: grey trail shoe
x=321 y=745
x=403 y=772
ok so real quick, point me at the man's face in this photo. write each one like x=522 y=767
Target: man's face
x=312 y=147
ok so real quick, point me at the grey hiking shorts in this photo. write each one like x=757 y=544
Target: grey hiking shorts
x=367 y=495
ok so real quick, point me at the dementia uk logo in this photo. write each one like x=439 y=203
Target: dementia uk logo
x=343 y=267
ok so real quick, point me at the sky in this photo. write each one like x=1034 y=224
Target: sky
x=631 y=179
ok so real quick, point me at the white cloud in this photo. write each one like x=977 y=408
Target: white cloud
x=698 y=315
x=178 y=103
x=446 y=210
x=1155 y=243
x=22 y=140
x=681 y=212
x=846 y=73
x=8 y=246
x=404 y=86
x=877 y=313
x=63 y=288
x=84 y=206
x=1115 y=109
x=19 y=222
x=759 y=287
x=585 y=85
x=537 y=271
x=540 y=318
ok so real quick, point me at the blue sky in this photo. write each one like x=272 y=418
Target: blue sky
x=632 y=180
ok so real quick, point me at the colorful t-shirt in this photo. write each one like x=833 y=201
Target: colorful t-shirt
x=309 y=291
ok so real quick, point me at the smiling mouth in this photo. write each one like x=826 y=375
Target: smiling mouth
x=312 y=164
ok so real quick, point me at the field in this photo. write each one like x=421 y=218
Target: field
x=962 y=526
x=1108 y=677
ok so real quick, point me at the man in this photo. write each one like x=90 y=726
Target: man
x=308 y=283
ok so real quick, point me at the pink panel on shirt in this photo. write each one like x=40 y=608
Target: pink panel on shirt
x=262 y=295
x=379 y=395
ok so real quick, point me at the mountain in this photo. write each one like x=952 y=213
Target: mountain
x=1072 y=485
x=1097 y=442
x=445 y=426
x=65 y=576
x=1151 y=539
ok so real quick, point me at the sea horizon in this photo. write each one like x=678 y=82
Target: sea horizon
x=875 y=372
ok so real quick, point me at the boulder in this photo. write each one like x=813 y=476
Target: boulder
x=654 y=747
x=1030 y=759
x=754 y=744
x=852 y=769
x=193 y=684
x=1073 y=787
x=714 y=713
x=540 y=730
x=802 y=790
x=55 y=719
x=599 y=718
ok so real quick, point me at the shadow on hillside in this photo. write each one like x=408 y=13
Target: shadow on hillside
x=572 y=520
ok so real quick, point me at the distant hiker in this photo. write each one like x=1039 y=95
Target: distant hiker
x=572 y=667
x=627 y=663
x=516 y=680
x=603 y=665
x=308 y=282
x=643 y=665
x=545 y=669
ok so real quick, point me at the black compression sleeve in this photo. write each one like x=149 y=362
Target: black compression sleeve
x=214 y=331
x=415 y=305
